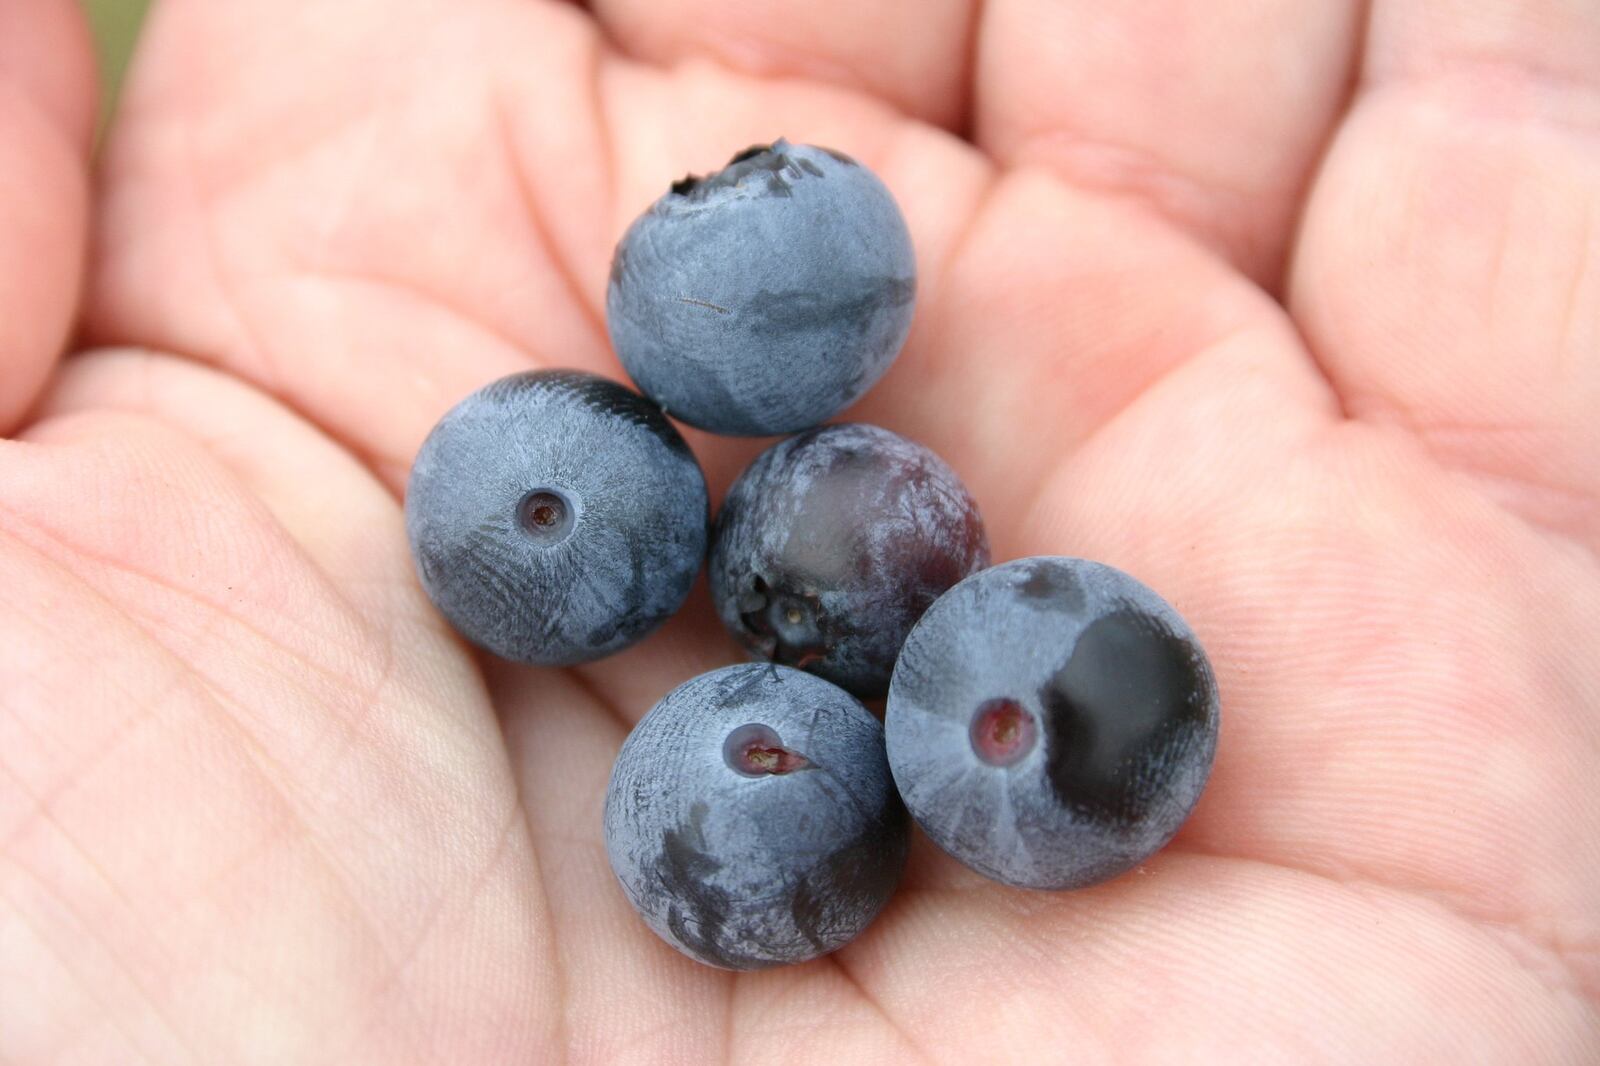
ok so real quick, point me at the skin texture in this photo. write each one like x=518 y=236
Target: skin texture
x=766 y=297
x=46 y=124
x=829 y=547
x=556 y=517
x=1288 y=308
x=1115 y=716
x=751 y=818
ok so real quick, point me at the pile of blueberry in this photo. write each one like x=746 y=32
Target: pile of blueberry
x=1050 y=722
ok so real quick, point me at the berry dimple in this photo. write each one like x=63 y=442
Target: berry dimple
x=1002 y=732
x=545 y=516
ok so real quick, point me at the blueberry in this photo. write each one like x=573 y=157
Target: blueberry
x=767 y=297
x=751 y=818
x=1051 y=722
x=830 y=546
x=556 y=517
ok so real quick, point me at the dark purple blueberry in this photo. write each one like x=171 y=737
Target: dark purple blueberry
x=751 y=818
x=832 y=543
x=556 y=517
x=767 y=297
x=1051 y=722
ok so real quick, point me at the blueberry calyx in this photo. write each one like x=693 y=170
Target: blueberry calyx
x=774 y=160
x=546 y=516
x=783 y=624
x=753 y=151
x=755 y=750
x=1002 y=732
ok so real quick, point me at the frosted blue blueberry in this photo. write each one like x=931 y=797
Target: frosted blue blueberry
x=830 y=546
x=767 y=297
x=556 y=517
x=751 y=818
x=1051 y=722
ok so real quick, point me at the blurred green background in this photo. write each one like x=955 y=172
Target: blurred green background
x=116 y=24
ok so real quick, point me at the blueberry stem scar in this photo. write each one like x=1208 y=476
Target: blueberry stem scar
x=755 y=750
x=773 y=760
x=1002 y=732
x=545 y=515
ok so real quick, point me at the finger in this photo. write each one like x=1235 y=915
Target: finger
x=1211 y=116
x=340 y=516
x=914 y=54
x=296 y=261
x=46 y=112
x=45 y=54
x=253 y=220
x=1448 y=277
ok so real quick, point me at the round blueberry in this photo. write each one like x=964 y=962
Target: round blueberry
x=767 y=297
x=556 y=517
x=832 y=543
x=751 y=818
x=1051 y=722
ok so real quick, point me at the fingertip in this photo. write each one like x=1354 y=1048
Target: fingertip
x=43 y=227
x=332 y=507
x=46 y=51
x=912 y=55
x=47 y=117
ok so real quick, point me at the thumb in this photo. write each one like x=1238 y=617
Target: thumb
x=46 y=119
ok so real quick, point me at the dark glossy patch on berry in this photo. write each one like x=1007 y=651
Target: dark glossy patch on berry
x=1130 y=699
x=1002 y=732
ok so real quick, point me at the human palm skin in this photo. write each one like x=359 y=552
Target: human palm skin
x=1290 y=308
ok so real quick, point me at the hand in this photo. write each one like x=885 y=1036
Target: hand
x=1320 y=366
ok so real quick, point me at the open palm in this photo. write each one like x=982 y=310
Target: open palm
x=1289 y=308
